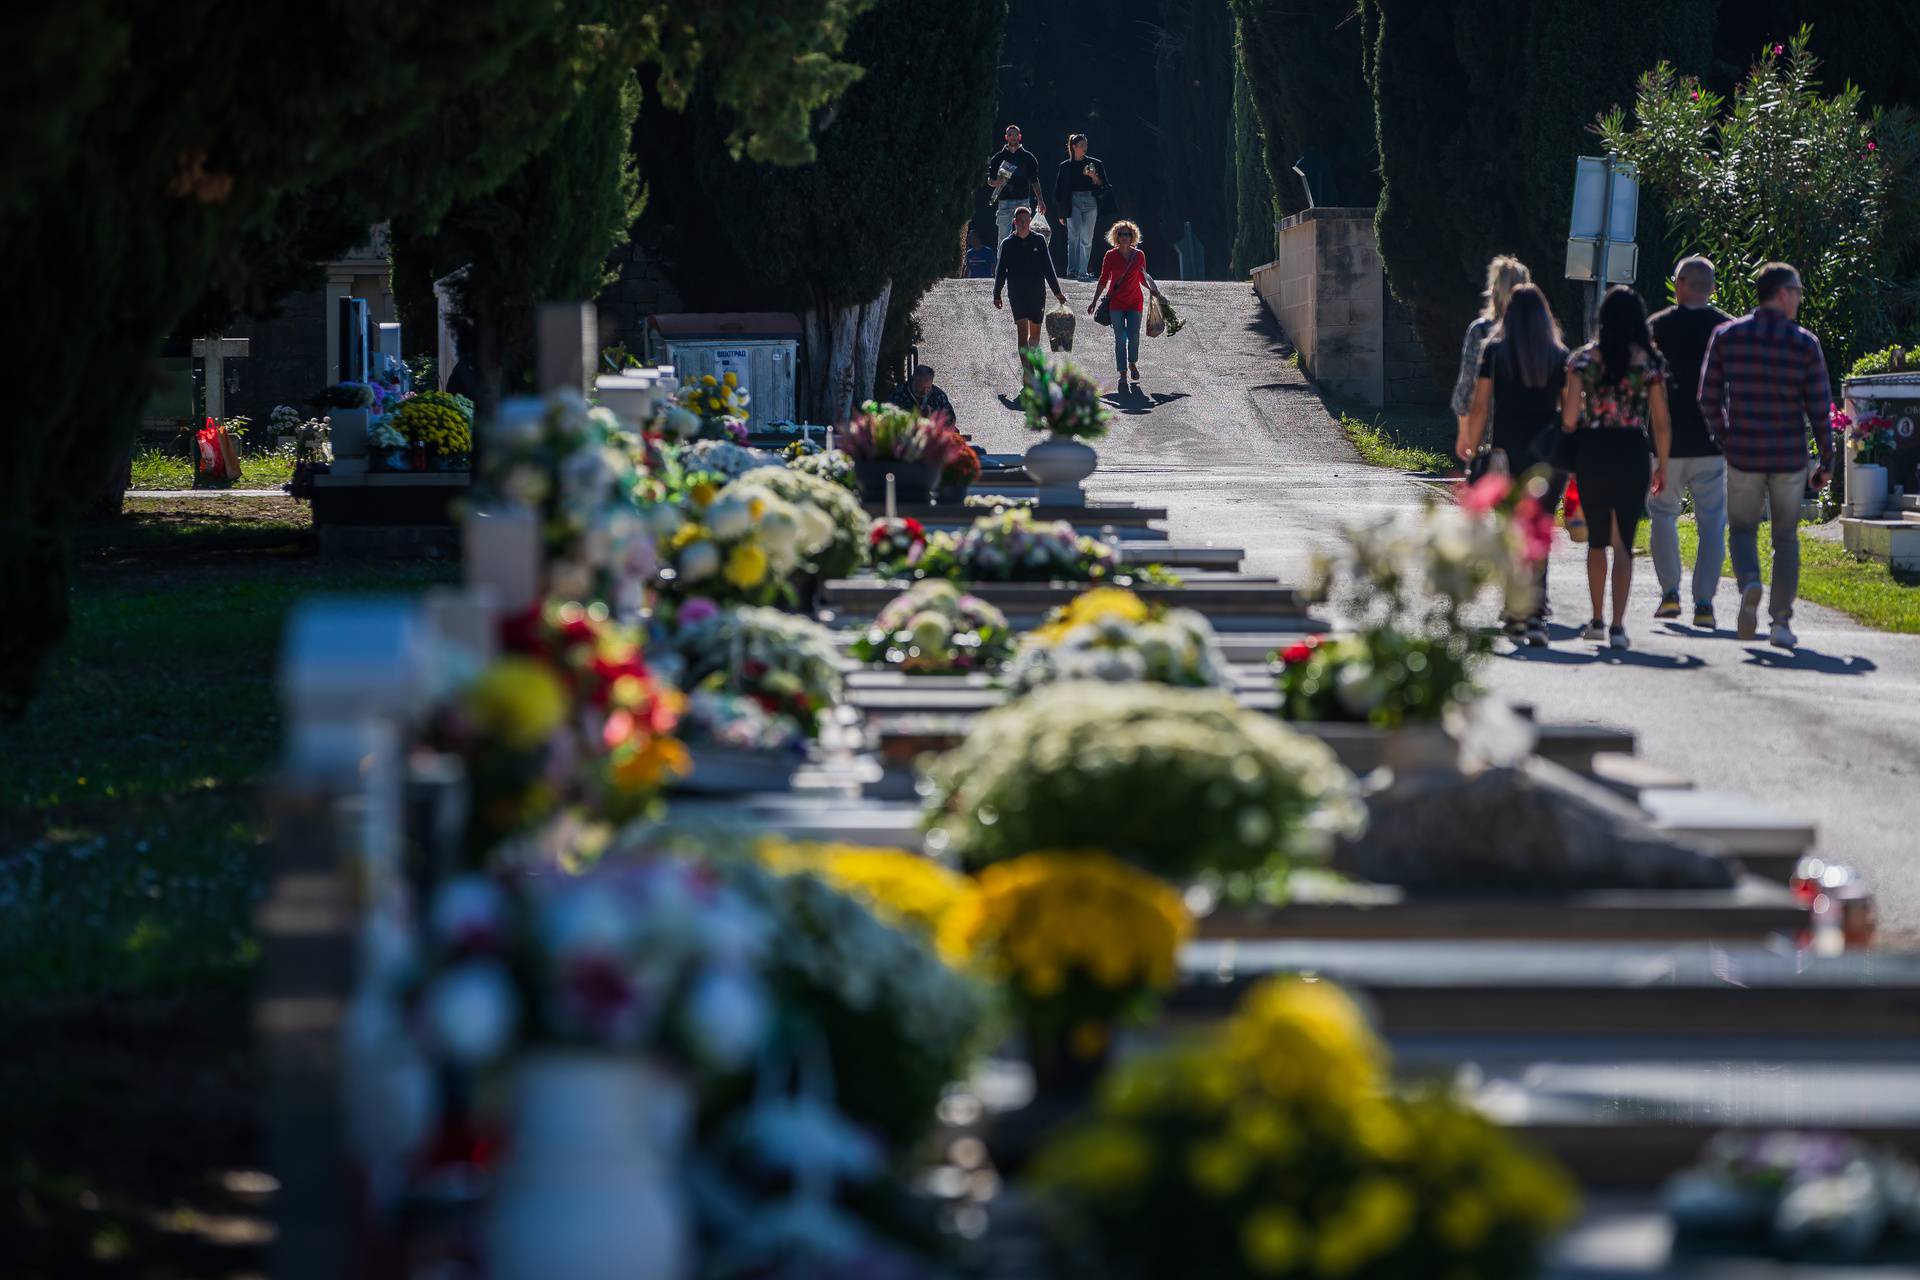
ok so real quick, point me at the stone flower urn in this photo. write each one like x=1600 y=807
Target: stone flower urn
x=1057 y=466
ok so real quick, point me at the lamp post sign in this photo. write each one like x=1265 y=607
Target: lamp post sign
x=1600 y=234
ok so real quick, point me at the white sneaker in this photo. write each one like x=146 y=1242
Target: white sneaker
x=1617 y=638
x=1781 y=637
x=1749 y=621
x=1595 y=630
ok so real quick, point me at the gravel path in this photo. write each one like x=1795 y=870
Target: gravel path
x=1236 y=444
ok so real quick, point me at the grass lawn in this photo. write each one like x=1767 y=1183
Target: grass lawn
x=1864 y=590
x=1416 y=439
x=132 y=838
x=158 y=468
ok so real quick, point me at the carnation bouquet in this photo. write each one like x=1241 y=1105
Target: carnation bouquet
x=934 y=629
x=787 y=664
x=1109 y=633
x=586 y=480
x=895 y=546
x=1011 y=546
x=1275 y=1145
x=1182 y=782
x=1060 y=398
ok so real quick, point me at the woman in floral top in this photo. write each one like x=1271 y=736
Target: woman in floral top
x=1616 y=397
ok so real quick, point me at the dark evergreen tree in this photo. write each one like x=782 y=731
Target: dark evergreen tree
x=1255 y=209
x=1305 y=69
x=1194 y=81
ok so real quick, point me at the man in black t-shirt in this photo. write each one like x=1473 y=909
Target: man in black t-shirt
x=1026 y=274
x=1695 y=465
x=1013 y=172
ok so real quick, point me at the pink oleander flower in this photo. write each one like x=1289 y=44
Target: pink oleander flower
x=1486 y=493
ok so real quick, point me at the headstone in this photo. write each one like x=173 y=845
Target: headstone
x=569 y=346
x=356 y=360
x=216 y=352
x=1193 y=256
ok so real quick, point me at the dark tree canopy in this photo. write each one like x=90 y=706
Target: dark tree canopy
x=1303 y=65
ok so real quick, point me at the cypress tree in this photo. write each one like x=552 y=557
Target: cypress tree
x=1194 y=78
x=1306 y=74
x=1254 y=206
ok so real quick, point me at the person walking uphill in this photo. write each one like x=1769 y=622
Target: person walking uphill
x=1013 y=172
x=1026 y=273
x=1523 y=372
x=1079 y=185
x=1696 y=467
x=1762 y=389
x=1123 y=275
x=1616 y=390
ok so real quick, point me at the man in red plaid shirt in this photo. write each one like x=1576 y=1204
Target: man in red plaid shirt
x=1763 y=388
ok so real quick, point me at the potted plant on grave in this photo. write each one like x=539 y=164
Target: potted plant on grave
x=1870 y=445
x=1111 y=634
x=1275 y=1144
x=1062 y=402
x=441 y=423
x=933 y=628
x=885 y=440
x=958 y=471
x=1011 y=546
x=388 y=448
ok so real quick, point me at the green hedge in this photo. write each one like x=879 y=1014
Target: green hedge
x=1306 y=70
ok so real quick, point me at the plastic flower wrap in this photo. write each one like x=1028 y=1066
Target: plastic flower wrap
x=787 y=665
x=825 y=508
x=1110 y=633
x=829 y=464
x=740 y=543
x=720 y=403
x=1870 y=438
x=1011 y=546
x=1077 y=939
x=660 y=957
x=895 y=546
x=933 y=628
x=586 y=478
x=383 y=434
x=888 y=433
x=1273 y=1145
x=1181 y=782
x=906 y=890
x=440 y=421
x=1060 y=398
x=724 y=458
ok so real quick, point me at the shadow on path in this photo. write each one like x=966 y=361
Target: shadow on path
x=1601 y=653
x=1809 y=660
x=1141 y=401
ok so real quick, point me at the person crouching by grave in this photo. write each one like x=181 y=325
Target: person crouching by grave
x=1013 y=174
x=919 y=394
x=1697 y=468
x=1079 y=185
x=1025 y=273
x=1123 y=274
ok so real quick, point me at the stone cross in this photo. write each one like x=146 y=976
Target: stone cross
x=216 y=352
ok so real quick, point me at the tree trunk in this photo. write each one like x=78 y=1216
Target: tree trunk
x=842 y=356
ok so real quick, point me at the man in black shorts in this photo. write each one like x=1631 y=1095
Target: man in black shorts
x=1026 y=273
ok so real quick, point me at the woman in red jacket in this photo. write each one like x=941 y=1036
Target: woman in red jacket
x=1123 y=277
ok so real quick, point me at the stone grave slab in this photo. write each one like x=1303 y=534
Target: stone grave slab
x=1769 y=841
x=1229 y=601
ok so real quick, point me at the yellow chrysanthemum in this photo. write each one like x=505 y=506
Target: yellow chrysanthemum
x=687 y=534
x=905 y=889
x=518 y=700
x=652 y=764
x=746 y=566
x=1271 y=1240
x=703 y=494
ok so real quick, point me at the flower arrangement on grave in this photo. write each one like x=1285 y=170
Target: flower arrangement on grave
x=894 y=546
x=571 y=716
x=1785 y=1194
x=1011 y=546
x=1109 y=633
x=933 y=628
x=720 y=403
x=1180 y=782
x=1061 y=399
x=345 y=395
x=787 y=665
x=1077 y=940
x=997 y=501
x=285 y=420
x=829 y=464
x=724 y=458
x=899 y=1025
x=823 y=504
x=737 y=543
x=660 y=957
x=962 y=466
x=1274 y=1145
x=439 y=421
x=1409 y=584
x=888 y=433
x=1870 y=439
x=586 y=479
x=906 y=890
x=388 y=446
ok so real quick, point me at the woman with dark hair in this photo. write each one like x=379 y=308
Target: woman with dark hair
x=1523 y=370
x=1079 y=185
x=1616 y=395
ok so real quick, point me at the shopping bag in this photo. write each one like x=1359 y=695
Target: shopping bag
x=1574 y=517
x=1041 y=227
x=1060 y=326
x=1156 y=322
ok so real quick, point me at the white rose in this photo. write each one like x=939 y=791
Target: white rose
x=699 y=561
x=730 y=518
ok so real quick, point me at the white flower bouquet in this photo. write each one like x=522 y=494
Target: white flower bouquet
x=724 y=458
x=786 y=664
x=740 y=543
x=1011 y=546
x=933 y=628
x=1110 y=634
x=834 y=524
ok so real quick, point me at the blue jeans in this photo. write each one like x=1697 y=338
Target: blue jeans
x=1706 y=479
x=1080 y=220
x=1126 y=338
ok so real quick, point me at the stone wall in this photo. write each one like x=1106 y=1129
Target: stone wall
x=640 y=291
x=287 y=360
x=1327 y=288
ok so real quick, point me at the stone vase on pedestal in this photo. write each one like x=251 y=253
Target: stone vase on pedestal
x=589 y=1189
x=1057 y=466
x=1866 y=490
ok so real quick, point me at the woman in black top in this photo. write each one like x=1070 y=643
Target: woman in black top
x=1523 y=372
x=1025 y=272
x=1079 y=184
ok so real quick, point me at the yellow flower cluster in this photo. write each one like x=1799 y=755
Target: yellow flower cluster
x=904 y=889
x=435 y=420
x=712 y=397
x=517 y=700
x=1044 y=918
x=1093 y=606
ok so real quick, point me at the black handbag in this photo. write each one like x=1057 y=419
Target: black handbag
x=1103 y=312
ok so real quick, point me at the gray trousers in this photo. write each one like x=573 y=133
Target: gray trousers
x=1751 y=496
x=1706 y=480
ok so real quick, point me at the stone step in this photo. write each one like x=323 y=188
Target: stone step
x=1088 y=518
x=1769 y=841
x=1182 y=555
x=1631 y=776
x=1894 y=543
x=1230 y=602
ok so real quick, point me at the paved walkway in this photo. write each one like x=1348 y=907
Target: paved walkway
x=1238 y=447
